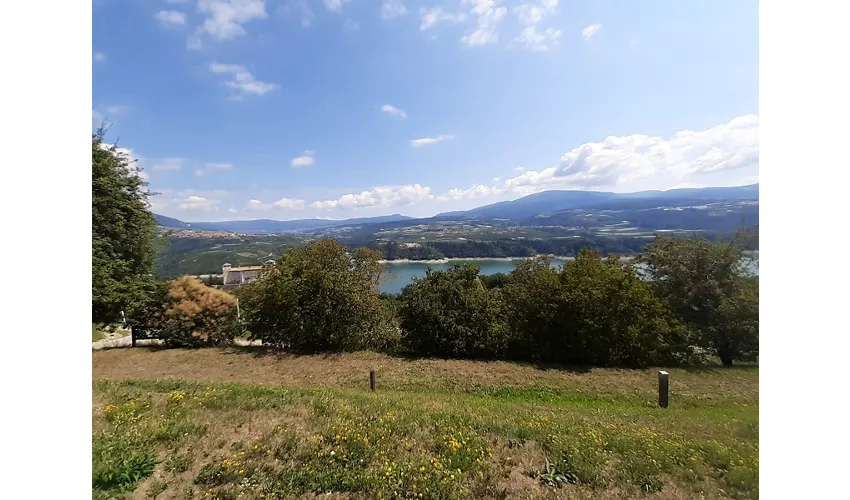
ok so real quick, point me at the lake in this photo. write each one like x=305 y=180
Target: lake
x=405 y=271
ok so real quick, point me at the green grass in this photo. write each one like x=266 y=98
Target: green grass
x=252 y=441
x=96 y=333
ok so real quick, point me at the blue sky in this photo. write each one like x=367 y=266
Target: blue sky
x=285 y=109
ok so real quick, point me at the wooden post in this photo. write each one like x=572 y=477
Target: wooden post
x=663 y=388
x=132 y=336
x=372 y=379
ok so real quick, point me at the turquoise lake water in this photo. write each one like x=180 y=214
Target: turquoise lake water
x=405 y=271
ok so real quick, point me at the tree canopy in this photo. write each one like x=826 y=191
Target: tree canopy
x=123 y=232
x=711 y=287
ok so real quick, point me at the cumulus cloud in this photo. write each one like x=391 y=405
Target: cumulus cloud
x=289 y=204
x=304 y=160
x=435 y=15
x=425 y=141
x=590 y=31
x=225 y=19
x=621 y=161
x=489 y=17
x=385 y=196
x=392 y=8
x=256 y=205
x=242 y=81
x=392 y=110
x=170 y=17
x=475 y=191
x=196 y=204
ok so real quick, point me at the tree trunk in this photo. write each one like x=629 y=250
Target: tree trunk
x=726 y=359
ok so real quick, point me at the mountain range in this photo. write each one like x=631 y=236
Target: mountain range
x=523 y=211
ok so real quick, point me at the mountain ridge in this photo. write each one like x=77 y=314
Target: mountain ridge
x=520 y=210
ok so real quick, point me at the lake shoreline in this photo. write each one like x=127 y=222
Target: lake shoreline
x=449 y=260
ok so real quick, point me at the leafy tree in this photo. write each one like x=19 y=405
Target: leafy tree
x=319 y=297
x=615 y=317
x=123 y=232
x=711 y=287
x=451 y=313
x=533 y=306
x=495 y=280
x=593 y=311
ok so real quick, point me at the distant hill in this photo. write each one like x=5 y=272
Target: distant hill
x=269 y=226
x=548 y=202
x=170 y=222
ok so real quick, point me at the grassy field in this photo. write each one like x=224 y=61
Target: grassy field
x=251 y=423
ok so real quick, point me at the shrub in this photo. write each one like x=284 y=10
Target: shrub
x=185 y=312
x=592 y=311
x=318 y=297
x=451 y=313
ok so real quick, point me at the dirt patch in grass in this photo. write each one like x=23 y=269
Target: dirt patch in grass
x=267 y=366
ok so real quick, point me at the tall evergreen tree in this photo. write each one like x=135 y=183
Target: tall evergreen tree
x=123 y=231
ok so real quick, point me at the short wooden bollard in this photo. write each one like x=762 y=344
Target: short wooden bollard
x=132 y=337
x=663 y=388
x=372 y=379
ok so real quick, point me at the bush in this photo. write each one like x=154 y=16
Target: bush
x=593 y=311
x=318 y=298
x=185 y=312
x=450 y=313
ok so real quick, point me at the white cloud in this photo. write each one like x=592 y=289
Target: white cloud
x=232 y=210
x=117 y=110
x=519 y=169
x=256 y=205
x=392 y=8
x=335 y=6
x=243 y=82
x=619 y=162
x=99 y=57
x=304 y=160
x=168 y=164
x=352 y=25
x=435 y=15
x=590 y=31
x=633 y=42
x=170 y=17
x=387 y=108
x=489 y=17
x=385 y=196
x=225 y=19
x=496 y=179
x=475 y=191
x=196 y=204
x=537 y=41
x=289 y=204
x=418 y=143
x=530 y=15
x=218 y=166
